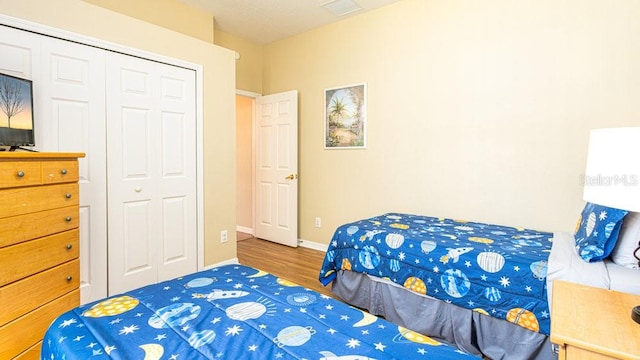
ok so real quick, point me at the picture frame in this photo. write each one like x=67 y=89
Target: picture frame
x=345 y=117
x=16 y=111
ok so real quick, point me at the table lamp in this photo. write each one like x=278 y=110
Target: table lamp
x=612 y=177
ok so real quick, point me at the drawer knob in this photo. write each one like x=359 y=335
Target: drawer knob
x=67 y=195
x=68 y=218
x=69 y=278
x=63 y=171
x=20 y=173
x=69 y=246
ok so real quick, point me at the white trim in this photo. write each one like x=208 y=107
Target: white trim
x=233 y=261
x=200 y=163
x=253 y=96
x=313 y=245
x=42 y=29
x=46 y=30
x=247 y=93
x=244 y=229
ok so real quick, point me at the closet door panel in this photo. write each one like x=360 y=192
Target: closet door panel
x=73 y=120
x=132 y=153
x=19 y=49
x=177 y=177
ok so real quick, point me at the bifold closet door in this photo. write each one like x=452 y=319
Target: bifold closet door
x=69 y=115
x=73 y=97
x=151 y=158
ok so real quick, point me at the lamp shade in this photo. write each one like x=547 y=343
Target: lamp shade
x=612 y=177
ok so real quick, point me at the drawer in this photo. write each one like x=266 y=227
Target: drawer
x=27 y=258
x=59 y=171
x=36 y=225
x=20 y=201
x=18 y=298
x=26 y=331
x=10 y=172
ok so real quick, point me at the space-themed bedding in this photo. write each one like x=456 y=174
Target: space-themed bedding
x=231 y=312
x=496 y=270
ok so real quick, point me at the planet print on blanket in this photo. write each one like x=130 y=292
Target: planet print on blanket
x=294 y=336
x=524 y=318
x=539 y=269
x=369 y=257
x=250 y=310
x=455 y=283
x=201 y=338
x=301 y=299
x=490 y=262
x=416 y=284
x=394 y=265
x=492 y=294
x=174 y=315
x=112 y=307
x=428 y=246
x=200 y=282
x=399 y=226
x=394 y=241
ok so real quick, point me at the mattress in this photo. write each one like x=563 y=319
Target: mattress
x=231 y=312
x=566 y=264
x=496 y=270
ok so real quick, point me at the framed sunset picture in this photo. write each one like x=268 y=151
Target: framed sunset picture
x=345 y=117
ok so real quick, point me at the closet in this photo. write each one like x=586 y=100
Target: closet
x=135 y=119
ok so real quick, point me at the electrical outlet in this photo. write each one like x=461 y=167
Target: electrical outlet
x=318 y=222
x=223 y=236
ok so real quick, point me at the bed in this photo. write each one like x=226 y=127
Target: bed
x=231 y=312
x=482 y=287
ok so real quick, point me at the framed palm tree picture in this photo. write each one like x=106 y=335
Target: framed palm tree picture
x=345 y=117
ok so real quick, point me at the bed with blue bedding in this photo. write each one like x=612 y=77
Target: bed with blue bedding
x=497 y=272
x=231 y=312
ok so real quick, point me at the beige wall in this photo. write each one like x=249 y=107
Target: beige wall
x=477 y=110
x=249 y=61
x=170 y=14
x=218 y=86
x=244 y=165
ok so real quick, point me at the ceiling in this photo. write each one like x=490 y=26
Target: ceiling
x=266 y=21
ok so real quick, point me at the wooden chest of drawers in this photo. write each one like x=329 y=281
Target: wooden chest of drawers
x=39 y=243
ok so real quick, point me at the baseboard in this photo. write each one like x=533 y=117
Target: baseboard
x=233 y=261
x=244 y=229
x=313 y=245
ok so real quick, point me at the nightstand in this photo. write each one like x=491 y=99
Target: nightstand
x=591 y=323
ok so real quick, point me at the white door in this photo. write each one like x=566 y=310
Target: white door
x=73 y=120
x=151 y=154
x=69 y=116
x=276 y=159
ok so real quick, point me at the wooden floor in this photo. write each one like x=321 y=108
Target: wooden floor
x=300 y=265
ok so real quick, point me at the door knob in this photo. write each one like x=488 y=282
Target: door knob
x=292 y=176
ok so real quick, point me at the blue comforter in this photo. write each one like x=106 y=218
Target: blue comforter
x=497 y=270
x=231 y=312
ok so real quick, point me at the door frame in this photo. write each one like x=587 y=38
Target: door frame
x=46 y=30
x=253 y=96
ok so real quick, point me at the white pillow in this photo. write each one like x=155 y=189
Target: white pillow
x=628 y=241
